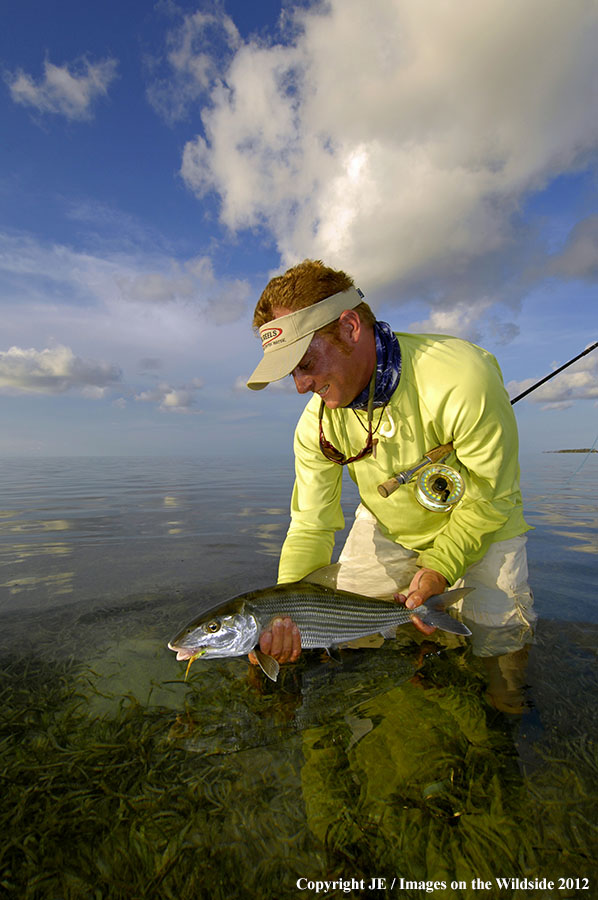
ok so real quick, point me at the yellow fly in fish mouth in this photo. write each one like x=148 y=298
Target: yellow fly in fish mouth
x=192 y=659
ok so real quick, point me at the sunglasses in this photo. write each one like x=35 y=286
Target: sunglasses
x=334 y=455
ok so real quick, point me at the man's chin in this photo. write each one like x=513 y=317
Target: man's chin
x=332 y=400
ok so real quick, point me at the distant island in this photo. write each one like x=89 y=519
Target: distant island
x=580 y=450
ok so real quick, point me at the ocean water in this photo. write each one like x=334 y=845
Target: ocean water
x=421 y=762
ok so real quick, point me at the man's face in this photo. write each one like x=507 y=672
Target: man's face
x=333 y=368
x=326 y=369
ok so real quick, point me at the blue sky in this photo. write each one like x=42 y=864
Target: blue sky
x=161 y=161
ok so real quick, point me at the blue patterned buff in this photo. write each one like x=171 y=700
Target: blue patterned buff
x=388 y=368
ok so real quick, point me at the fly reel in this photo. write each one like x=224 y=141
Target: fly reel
x=438 y=488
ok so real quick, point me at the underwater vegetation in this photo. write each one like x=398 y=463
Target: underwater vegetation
x=238 y=787
x=113 y=807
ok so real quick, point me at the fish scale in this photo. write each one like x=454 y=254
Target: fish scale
x=325 y=616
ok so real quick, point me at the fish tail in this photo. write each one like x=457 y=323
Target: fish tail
x=434 y=611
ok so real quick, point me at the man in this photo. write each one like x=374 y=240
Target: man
x=380 y=402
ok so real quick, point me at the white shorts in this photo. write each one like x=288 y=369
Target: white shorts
x=372 y=564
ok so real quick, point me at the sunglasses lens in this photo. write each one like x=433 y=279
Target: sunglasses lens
x=334 y=455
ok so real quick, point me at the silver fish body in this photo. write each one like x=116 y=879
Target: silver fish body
x=325 y=617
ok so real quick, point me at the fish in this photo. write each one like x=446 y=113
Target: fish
x=326 y=617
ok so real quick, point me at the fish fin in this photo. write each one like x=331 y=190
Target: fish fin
x=267 y=664
x=450 y=597
x=326 y=576
x=434 y=613
x=359 y=728
x=390 y=632
x=440 y=619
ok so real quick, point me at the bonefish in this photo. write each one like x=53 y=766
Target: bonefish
x=326 y=617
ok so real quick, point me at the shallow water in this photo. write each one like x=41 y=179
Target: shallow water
x=418 y=761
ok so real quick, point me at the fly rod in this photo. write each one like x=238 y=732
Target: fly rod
x=552 y=374
x=438 y=454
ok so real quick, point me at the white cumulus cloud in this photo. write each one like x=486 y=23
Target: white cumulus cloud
x=64 y=90
x=398 y=140
x=173 y=399
x=470 y=321
x=54 y=370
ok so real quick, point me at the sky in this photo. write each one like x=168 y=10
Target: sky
x=160 y=162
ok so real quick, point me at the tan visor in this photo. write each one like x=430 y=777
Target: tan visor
x=285 y=340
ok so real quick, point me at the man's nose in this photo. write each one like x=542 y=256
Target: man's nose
x=303 y=382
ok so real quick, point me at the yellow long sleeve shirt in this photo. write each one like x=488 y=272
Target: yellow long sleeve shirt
x=449 y=391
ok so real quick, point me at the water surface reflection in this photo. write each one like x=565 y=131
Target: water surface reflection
x=422 y=759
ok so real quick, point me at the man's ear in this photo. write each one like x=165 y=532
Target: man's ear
x=350 y=325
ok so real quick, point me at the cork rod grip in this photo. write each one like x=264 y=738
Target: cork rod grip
x=389 y=487
x=438 y=452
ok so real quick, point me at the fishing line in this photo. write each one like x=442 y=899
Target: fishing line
x=583 y=462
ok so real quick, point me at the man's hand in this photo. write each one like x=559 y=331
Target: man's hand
x=424 y=584
x=282 y=640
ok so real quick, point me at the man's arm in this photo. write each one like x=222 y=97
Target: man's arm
x=316 y=512
x=315 y=516
x=478 y=417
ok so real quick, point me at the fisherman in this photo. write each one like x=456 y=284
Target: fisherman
x=381 y=400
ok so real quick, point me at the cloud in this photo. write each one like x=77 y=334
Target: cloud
x=196 y=50
x=113 y=307
x=460 y=320
x=470 y=321
x=400 y=140
x=579 y=256
x=171 y=399
x=54 y=370
x=156 y=287
x=578 y=382
x=34 y=271
x=150 y=364
x=67 y=91
x=222 y=300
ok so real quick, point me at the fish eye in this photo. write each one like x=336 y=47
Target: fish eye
x=213 y=626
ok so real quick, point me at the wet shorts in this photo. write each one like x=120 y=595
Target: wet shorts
x=370 y=563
